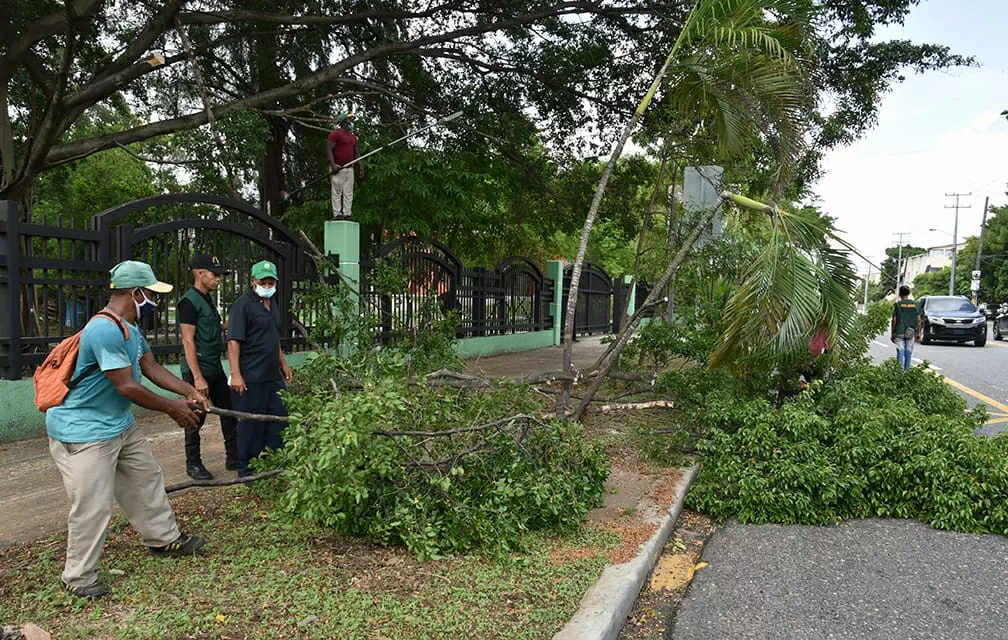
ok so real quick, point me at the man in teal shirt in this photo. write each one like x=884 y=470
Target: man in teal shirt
x=904 y=327
x=100 y=452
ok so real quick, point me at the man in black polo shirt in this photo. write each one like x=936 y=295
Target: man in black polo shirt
x=258 y=367
x=200 y=325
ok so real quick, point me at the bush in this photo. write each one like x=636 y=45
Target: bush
x=658 y=342
x=871 y=441
x=391 y=464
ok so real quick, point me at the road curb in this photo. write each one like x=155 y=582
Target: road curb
x=605 y=606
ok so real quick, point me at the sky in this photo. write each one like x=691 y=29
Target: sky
x=939 y=132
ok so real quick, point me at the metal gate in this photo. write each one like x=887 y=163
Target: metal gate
x=54 y=277
x=594 y=311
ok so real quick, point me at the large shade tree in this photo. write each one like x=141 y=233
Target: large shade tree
x=186 y=63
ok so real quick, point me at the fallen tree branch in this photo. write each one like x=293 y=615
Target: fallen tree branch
x=650 y=404
x=241 y=415
x=222 y=483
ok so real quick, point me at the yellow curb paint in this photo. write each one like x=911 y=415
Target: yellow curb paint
x=997 y=344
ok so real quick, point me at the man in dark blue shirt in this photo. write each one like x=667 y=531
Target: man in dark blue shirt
x=258 y=367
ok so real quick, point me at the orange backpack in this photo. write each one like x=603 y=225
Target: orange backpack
x=53 y=378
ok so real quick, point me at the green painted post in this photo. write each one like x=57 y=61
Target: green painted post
x=342 y=238
x=554 y=271
x=632 y=294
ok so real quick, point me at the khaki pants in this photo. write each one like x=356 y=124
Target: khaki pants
x=342 y=192
x=94 y=473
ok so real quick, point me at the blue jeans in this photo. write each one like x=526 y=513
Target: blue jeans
x=904 y=351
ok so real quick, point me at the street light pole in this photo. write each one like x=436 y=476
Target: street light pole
x=955 y=233
x=866 y=281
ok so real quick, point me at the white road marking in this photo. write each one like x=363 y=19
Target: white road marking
x=930 y=366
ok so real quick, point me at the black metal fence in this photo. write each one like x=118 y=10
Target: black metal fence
x=415 y=282
x=54 y=275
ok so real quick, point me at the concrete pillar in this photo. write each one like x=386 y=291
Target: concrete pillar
x=342 y=238
x=554 y=271
x=632 y=294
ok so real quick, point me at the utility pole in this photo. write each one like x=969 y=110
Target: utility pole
x=899 y=261
x=983 y=225
x=955 y=234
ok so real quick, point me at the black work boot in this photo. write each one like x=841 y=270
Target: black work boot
x=184 y=545
x=93 y=590
x=198 y=472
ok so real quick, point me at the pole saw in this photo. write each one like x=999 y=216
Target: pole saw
x=288 y=196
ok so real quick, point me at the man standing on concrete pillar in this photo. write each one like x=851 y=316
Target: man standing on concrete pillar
x=341 y=148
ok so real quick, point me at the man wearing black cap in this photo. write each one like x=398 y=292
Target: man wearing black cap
x=200 y=324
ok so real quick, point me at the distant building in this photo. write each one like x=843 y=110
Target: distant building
x=936 y=258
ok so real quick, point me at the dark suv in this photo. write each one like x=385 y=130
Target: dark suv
x=952 y=318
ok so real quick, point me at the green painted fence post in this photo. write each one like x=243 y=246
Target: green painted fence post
x=342 y=238
x=632 y=294
x=554 y=271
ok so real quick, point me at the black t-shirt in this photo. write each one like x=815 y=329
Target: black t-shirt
x=258 y=331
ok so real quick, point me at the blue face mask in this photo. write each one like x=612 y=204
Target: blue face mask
x=263 y=292
x=351 y=126
x=146 y=308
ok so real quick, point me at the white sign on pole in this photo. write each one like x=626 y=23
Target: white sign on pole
x=701 y=193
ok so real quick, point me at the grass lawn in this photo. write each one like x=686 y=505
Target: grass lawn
x=260 y=578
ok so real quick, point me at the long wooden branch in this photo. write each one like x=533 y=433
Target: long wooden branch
x=172 y=488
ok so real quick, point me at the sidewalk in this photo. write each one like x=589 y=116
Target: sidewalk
x=31 y=491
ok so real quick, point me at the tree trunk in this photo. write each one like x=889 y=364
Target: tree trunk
x=271 y=169
x=609 y=361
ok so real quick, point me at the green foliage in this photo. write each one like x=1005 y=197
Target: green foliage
x=888 y=275
x=658 y=342
x=866 y=327
x=871 y=441
x=935 y=283
x=352 y=467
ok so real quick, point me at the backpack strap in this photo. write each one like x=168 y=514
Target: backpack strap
x=125 y=332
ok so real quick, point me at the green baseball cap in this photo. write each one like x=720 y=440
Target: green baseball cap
x=264 y=269
x=132 y=273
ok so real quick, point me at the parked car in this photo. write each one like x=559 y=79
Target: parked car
x=1001 y=321
x=952 y=318
x=990 y=311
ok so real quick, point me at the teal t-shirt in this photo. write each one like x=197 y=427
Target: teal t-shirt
x=94 y=410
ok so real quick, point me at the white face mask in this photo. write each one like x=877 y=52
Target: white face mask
x=145 y=308
x=263 y=292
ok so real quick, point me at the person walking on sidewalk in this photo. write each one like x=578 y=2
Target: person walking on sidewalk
x=341 y=148
x=200 y=325
x=905 y=326
x=258 y=367
x=99 y=450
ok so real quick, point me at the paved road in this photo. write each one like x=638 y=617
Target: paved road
x=980 y=374
x=864 y=579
